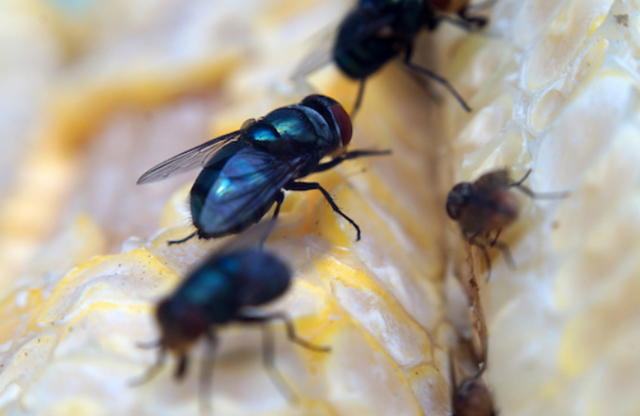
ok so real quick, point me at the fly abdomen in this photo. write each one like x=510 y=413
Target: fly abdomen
x=228 y=196
x=258 y=278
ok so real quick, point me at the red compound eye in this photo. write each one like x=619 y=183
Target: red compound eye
x=344 y=123
x=450 y=6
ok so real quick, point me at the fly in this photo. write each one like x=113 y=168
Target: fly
x=224 y=289
x=245 y=172
x=483 y=208
x=377 y=31
x=471 y=397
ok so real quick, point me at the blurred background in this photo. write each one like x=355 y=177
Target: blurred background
x=93 y=93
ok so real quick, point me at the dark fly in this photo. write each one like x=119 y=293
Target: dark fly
x=471 y=397
x=377 y=31
x=224 y=289
x=485 y=207
x=245 y=172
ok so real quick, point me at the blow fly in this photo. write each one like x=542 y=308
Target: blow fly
x=224 y=289
x=377 y=31
x=483 y=208
x=245 y=172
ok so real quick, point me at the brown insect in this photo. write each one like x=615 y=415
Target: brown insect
x=483 y=208
x=471 y=397
x=461 y=8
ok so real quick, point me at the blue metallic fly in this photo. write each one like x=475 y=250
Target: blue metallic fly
x=223 y=290
x=377 y=31
x=244 y=172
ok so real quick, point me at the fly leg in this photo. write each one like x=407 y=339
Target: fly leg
x=506 y=253
x=206 y=372
x=520 y=181
x=181 y=369
x=308 y=186
x=468 y=23
x=482 y=244
x=495 y=239
x=358 y=102
x=268 y=345
x=485 y=253
x=480 y=6
x=269 y=363
x=536 y=195
x=291 y=332
x=155 y=368
x=474 y=22
x=349 y=155
x=272 y=221
x=187 y=238
x=434 y=76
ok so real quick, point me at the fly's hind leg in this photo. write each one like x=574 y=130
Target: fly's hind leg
x=308 y=186
x=268 y=346
x=206 y=372
x=268 y=360
x=536 y=195
x=442 y=81
x=274 y=218
x=358 y=103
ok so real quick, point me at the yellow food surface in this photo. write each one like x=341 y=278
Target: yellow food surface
x=94 y=93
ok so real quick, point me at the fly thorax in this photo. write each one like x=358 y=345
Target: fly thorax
x=322 y=136
x=290 y=130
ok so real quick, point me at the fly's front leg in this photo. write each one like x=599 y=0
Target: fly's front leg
x=182 y=240
x=536 y=195
x=349 y=155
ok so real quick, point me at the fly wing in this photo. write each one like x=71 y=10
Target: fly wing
x=188 y=160
x=319 y=55
x=325 y=42
x=245 y=188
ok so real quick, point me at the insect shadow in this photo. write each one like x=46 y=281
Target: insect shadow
x=224 y=289
x=377 y=31
x=245 y=172
x=484 y=207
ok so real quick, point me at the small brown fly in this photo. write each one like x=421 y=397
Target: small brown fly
x=485 y=207
x=471 y=397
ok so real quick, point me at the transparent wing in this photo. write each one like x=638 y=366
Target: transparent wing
x=325 y=43
x=251 y=179
x=188 y=160
x=255 y=177
x=320 y=53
